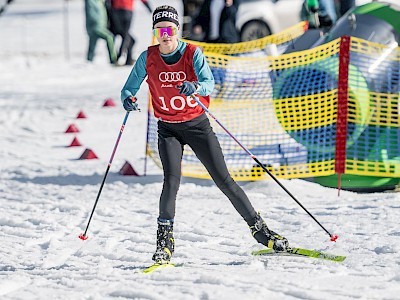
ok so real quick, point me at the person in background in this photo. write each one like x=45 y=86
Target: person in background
x=345 y=5
x=206 y=24
x=216 y=22
x=227 y=23
x=96 y=27
x=176 y=70
x=190 y=10
x=121 y=15
x=325 y=10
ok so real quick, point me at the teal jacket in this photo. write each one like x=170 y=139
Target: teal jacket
x=96 y=15
x=200 y=65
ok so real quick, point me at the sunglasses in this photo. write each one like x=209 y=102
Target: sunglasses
x=170 y=31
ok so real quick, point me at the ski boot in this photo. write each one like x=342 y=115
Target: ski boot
x=267 y=237
x=165 y=241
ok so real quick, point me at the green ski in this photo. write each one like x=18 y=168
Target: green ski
x=301 y=252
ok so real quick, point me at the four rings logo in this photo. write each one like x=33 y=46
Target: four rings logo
x=172 y=76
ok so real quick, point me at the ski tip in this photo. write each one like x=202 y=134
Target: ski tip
x=83 y=237
x=334 y=237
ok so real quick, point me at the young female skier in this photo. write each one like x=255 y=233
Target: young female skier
x=181 y=121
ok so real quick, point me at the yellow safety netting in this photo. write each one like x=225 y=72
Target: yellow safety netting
x=284 y=110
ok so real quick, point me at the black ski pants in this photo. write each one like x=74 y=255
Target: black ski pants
x=120 y=24
x=198 y=134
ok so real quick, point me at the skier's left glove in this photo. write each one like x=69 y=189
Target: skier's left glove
x=130 y=103
x=188 y=88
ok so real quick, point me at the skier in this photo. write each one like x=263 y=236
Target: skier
x=181 y=121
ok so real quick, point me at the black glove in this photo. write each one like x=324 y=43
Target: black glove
x=130 y=104
x=188 y=88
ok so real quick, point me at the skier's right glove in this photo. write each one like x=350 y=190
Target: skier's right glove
x=188 y=88
x=130 y=104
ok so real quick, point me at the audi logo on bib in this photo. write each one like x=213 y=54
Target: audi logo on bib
x=172 y=76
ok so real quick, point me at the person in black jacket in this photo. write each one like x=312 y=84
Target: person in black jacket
x=215 y=22
x=227 y=23
x=120 y=18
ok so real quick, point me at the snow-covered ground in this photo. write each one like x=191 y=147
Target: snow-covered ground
x=47 y=194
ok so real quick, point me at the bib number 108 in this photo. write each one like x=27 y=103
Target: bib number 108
x=177 y=103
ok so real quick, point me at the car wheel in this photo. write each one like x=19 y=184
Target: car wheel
x=254 y=30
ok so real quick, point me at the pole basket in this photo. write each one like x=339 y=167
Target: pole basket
x=334 y=237
x=83 y=237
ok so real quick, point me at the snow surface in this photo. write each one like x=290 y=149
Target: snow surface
x=47 y=194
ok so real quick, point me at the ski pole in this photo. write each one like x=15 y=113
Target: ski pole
x=333 y=238
x=83 y=236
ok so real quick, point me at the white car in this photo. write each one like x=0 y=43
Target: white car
x=259 y=18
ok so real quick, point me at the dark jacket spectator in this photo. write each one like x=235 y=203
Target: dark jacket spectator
x=205 y=25
x=346 y=5
x=216 y=22
x=120 y=16
x=227 y=23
